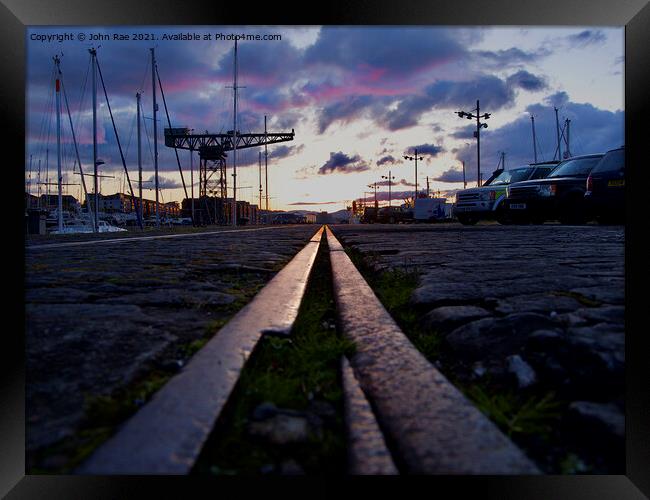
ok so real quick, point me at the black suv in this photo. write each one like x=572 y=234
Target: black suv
x=605 y=195
x=559 y=196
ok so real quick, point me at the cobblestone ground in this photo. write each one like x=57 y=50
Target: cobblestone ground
x=100 y=315
x=525 y=306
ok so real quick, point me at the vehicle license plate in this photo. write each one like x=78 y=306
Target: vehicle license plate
x=616 y=182
x=518 y=206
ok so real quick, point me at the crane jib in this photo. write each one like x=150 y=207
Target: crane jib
x=180 y=138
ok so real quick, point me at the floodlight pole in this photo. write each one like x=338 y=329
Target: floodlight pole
x=477 y=134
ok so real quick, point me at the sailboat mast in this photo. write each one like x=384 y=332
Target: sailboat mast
x=557 y=129
x=532 y=121
x=155 y=130
x=93 y=53
x=137 y=97
x=234 y=139
x=58 y=150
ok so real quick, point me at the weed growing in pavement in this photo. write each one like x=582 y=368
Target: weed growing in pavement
x=291 y=373
x=515 y=414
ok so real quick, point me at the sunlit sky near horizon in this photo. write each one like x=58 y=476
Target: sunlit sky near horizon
x=359 y=98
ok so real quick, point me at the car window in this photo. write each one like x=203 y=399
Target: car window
x=512 y=175
x=541 y=172
x=611 y=162
x=578 y=167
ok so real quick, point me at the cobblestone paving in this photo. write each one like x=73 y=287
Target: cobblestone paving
x=533 y=306
x=98 y=316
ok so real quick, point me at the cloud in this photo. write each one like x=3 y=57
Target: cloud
x=451 y=175
x=163 y=182
x=345 y=110
x=283 y=151
x=586 y=37
x=340 y=162
x=425 y=149
x=527 y=81
x=593 y=130
x=401 y=182
x=508 y=57
x=558 y=99
x=309 y=203
x=388 y=159
x=493 y=92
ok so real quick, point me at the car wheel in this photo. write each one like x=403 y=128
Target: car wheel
x=467 y=220
x=503 y=217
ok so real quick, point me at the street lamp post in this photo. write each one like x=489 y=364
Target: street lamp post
x=477 y=134
x=416 y=158
x=390 y=182
x=374 y=186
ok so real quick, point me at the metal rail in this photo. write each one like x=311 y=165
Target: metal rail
x=166 y=435
x=429 y=426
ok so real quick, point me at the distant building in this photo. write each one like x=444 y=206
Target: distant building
x=310 y=218
x=124 y=203
x=51 y=202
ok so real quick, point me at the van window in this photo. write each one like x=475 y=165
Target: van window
x=541 y=172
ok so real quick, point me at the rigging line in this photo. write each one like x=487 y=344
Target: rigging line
x=144 y=75
x=74 y=138
x=83 y=92
x=146 y=133
x=169 y=123
x=46 y=119
x=117 y=138
x=128 y=144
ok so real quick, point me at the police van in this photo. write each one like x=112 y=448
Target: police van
x=485 y=202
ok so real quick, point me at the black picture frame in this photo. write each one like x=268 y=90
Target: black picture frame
x=15 y=15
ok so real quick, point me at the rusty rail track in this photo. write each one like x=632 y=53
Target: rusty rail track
x=402 y=415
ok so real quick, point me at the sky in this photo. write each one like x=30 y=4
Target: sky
x=358 y=98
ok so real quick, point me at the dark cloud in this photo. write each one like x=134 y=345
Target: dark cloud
x=493 y=92
x=386 y=51
x=344 y=110
x=527 y=81
x=513 y=56
x=307 y=203
x=284 y=151
x=451 y=175
x=466 y=132
x=558 y=99
x=340 y=162
x=401 y=182
x=388 y=159
x=163 y=182
x=425 y=149
x=586 y=37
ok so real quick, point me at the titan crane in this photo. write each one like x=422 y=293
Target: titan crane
x=212 y=150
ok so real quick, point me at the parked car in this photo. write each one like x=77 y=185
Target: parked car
x=605 y=189
x=486 y=202
x=559 y=196
x=394 y=215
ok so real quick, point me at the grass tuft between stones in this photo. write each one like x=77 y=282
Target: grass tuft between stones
x=294 y=374
x=523 y=416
